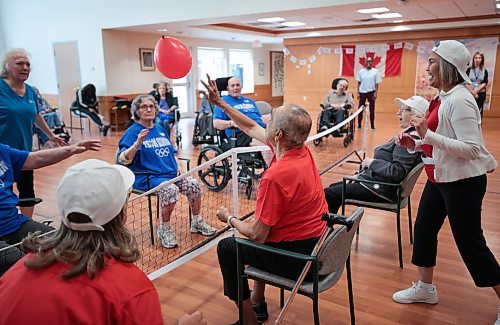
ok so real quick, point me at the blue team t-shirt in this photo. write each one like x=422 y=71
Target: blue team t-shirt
x=11 y=162
x=164 y=105
x=156 y=156
x=244 y=105
x=17 y=117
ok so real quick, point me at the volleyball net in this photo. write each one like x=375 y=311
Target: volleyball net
x=228 y=179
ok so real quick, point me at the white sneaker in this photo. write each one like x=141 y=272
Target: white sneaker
x=497 y=322
x=416 y=293
x=166 y=236
x=201 y=227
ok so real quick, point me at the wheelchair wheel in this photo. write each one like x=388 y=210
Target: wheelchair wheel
x=217 y=176
x=253 y=165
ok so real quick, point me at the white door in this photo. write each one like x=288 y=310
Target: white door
x=68 y=74
x=182 y=89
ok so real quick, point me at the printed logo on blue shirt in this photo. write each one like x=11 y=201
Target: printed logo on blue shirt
x=3 y=169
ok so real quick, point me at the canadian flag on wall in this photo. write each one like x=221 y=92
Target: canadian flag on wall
x=386 y=58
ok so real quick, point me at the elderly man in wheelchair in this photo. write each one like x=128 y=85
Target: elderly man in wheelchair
x=336 y=105
x=250 y=165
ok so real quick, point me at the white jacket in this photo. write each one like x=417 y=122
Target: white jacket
x=458 y=146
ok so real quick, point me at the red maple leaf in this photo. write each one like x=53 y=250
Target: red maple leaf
x=376 y=59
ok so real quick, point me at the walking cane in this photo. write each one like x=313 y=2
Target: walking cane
x=365 y=135
x=330 y=219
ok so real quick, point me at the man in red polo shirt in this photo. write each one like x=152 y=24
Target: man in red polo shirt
x=290 y=203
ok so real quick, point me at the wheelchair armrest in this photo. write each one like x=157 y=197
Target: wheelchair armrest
x=368 y=181
x=29 y=201
x=274 y=250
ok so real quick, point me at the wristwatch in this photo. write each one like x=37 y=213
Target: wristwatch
x=229 y=221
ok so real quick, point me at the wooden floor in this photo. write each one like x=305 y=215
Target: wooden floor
x=197 y=285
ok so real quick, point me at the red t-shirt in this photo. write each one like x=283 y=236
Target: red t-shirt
x=119 y=294
x=432 y=123
x=290 y=198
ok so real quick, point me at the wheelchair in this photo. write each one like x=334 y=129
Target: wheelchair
x=251 y=165
x=347 y=129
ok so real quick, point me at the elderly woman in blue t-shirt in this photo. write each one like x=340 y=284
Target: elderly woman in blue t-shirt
x=145 y=147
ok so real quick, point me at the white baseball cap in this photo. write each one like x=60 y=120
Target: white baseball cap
x=96 y=189
x=455 y=53
x=417 y=103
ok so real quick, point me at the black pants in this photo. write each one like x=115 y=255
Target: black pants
x=461 y=201
x=335 y=115
x=355 y=191
x=92 y=115
x=480 y=101
x=283 y=266
x=371 y=100
x=26 y=187
x=9 y=257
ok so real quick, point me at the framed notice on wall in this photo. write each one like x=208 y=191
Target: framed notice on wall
x=146 y=59
x=277 y=74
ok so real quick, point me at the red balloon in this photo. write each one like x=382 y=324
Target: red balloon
x=172 y=57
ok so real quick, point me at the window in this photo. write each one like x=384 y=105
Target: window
x=212 y=61
x=241 y=66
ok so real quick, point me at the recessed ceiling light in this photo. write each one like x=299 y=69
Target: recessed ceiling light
x=400 y=28
x=313 y=34
x=498 y=5
x=293 y=23
x=387 y=15
x=373 y=10
x=163 y=30
x=399 y=21
x=271 y=20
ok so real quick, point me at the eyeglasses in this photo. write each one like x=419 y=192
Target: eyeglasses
x=404 y=109
x=146 y=107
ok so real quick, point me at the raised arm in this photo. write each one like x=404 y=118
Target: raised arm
x=244 y=123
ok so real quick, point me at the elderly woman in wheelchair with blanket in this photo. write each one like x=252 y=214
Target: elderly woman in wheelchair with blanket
x=390 y=163
x=146 y=149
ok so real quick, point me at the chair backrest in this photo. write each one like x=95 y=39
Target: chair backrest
x=337 y=246
x=410 y=180
x=263 y=107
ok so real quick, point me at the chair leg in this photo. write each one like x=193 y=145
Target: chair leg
x=151 y=226
x=410 y=223
x=239 y=270
x=349 y=289
x=90 y=127
x=282 y=298
x=81 y=125
x=400 y=249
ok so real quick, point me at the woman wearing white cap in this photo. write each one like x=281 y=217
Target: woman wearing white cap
x=85 y=272
x=390 y=163
x=456 y=163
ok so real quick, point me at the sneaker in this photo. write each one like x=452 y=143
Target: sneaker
x=416 y=293
x=323 y=128
x=105 y=129
x=167 y=237
x=201 y=227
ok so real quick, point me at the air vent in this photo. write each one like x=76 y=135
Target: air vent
x=366 y=20
x=259 y=23
x=281 y=27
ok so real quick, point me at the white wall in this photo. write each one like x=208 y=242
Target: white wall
x=121 y=60
x=35 y=25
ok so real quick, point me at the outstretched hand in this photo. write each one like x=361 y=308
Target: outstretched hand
x=212 y=93
x=58 y=140
x=222 y=214
x=87 y=145
x=405 y=140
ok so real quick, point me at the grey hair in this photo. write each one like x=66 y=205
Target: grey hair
x=138 y=101
x=448 y=73
x=296 y=124
x=7 y=58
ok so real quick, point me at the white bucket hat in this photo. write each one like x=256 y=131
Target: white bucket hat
x=455 y=53
x=96 y=189
x=417 y=103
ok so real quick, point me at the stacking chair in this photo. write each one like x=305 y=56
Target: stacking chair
x=150 y=200
x=74 y=112
x=327 y=265
x=404 y=189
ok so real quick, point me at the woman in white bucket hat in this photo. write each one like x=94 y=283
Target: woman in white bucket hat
x=456 y=166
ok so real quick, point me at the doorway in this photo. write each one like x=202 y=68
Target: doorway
x=67 y=66
x=184 y=93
